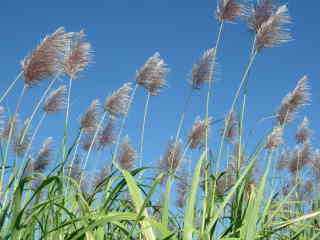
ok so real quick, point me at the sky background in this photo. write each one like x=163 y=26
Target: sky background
x=124 y=33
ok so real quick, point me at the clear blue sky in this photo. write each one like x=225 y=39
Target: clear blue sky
x=124 y=33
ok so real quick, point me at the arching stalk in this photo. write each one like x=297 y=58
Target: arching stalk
x=143 y=129
x=4 y=95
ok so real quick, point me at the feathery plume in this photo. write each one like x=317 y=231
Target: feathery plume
x=275 y=138
x=231 y=125
x=197 y=135
x=202 y=71
x=127 y=155
x=45 y=60
x=152 y=74
x=294 y=100
x=118 y=102
x=22 y=140
x=107 y=136
x=90 y=118
x=273 y=31
x=56 y=101
x=300 y=157
x=229 y=10
x=303 y=133
x=225 y=182
x=260 y=13
x=43 y=158
x=172 y=157
x=78 y=55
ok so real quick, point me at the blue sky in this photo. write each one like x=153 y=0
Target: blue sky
x=125 y=33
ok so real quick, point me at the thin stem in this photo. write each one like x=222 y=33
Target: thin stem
x=4 y=95
x=38 y=106
x=207 y=121
x=66 y=122
x=237 y=94
x=123 y=123
x=93 y=140
x=20 y=99
x=75 y=151
x=183 y=114
x=143 y=129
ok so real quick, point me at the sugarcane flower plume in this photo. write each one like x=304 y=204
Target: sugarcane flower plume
x=152 y=74
x=107 y=135
x=46 y=60
x=202 y=71
x=274 y=32
x=127 y=155
x=197 y=134
x=229 y=10
x=44 y=157
x=89 y=120
x=56 y=100
x=303 y=133
x=78 y=56
x=118 y=102
x=260 y=13
x=300 y=157
x=172 y=157
x=275 y=138
x=293 y=101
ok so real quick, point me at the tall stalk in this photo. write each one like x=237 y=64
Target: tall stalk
x=207 y=122
x=13 y=83
x=123 y=124
x=143 y=129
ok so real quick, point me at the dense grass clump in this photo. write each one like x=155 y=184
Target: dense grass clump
x=49 y=194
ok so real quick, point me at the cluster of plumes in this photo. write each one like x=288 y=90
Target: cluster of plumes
x=202 y=71
x=182 y=188
x=46 y=60
x=152 y=74
x=293 y=101
x=21 y=139
x=56 y=100
x=117 y=104
x=78 y=55
x=127 y=155
x=172 y=157
x=197 y=134
x=229 y=10
x=275 y=138
x=43 y=158
x=231 y=127
x=269 y=23
x=303 y=153
x=90 y=118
